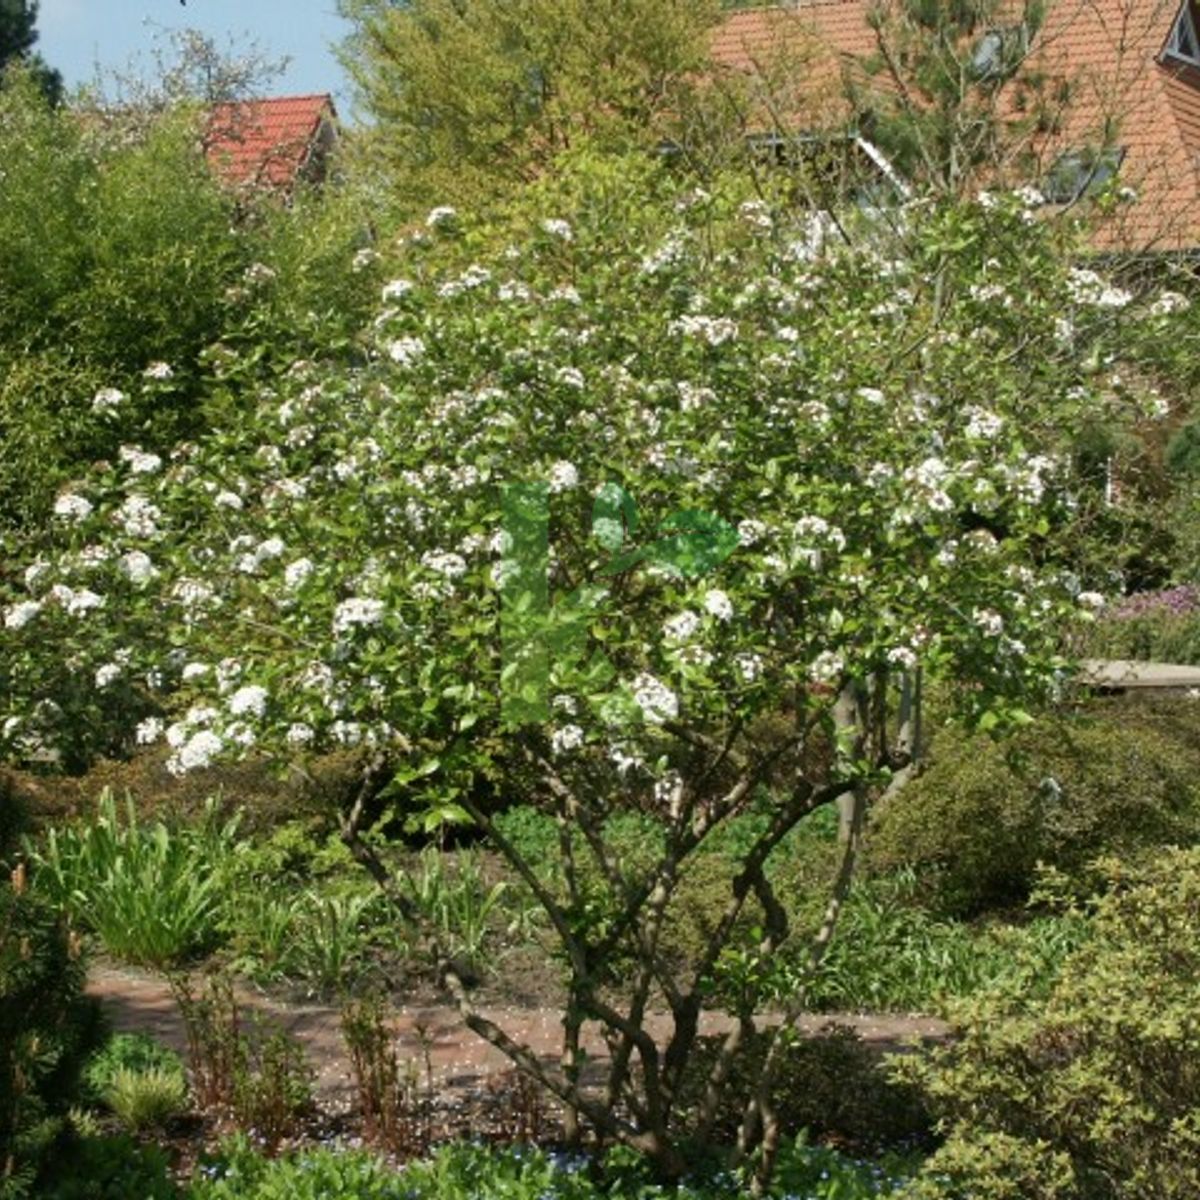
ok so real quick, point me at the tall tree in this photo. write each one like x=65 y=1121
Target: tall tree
x=471 y=94
x=18 y=33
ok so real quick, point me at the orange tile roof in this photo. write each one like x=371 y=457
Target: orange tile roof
x=1110 y=51
x=267 y=141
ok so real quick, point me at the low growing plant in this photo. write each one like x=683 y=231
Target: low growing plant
x=242 y=1066
x=152 y=894
x=394 y=1108
x=147 y=1098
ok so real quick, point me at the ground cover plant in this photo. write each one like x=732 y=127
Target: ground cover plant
x=762 y=473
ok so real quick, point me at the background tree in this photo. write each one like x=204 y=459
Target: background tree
x=472 y=98
x=18 y=33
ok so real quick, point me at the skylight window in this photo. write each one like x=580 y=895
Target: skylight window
x=1079 y=173
x=1183 y=42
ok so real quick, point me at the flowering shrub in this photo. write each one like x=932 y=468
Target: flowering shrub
x=758 y=474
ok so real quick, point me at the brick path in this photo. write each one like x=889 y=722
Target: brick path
x=461 y=1061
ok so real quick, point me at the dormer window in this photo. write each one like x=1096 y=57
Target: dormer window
x=1183 y=42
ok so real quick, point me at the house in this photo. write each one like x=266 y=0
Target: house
x=1119 y=89
x=272 y=143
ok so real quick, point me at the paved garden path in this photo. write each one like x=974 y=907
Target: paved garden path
x=462 y=1062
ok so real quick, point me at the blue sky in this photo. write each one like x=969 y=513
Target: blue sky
x=78 y=35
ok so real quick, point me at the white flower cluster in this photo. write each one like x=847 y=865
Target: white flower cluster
x=682 y=627
x=138 y=567
x=566 y=739
x=138 y=516
x=1168 y=303
x=139 y=461
x=17 y=616
x=75 y=602
x=657 y=702
x=356 y=613
x=563 y=476
x=72 y=507
x=107 y=400
x=982 y=423
x=406 y=350
x=1084 y=286
x=716 y=331
x=396 y=289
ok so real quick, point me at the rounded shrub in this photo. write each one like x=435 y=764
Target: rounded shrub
x=1093 y=1091
x=1121 y=778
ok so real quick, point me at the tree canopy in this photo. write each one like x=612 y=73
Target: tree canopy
x=473 y=98
x=18 y=34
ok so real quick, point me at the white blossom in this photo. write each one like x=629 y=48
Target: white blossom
x=36 y=572
x=228 y=500
x=194 y=670
x=139 y=461
x=356 y=612
x=713 y=330
x=17 y=616
x=138 y=567
x=108 y=674
x=657 y=702
x=624 y=759
x=748 y=665
x=295 y=573
x=158 y=370
x=681 y=627
x=138 y=516
x=563 y=476
x=396 y=289
x=250 y=700
x=569 y=737
x=300 y=734
x=76 y=602
x=1168 y=303
x=982 y=423
x=441 y=216
x=107 y=400
x=1090 y=600
x=148 y=731
x=903 y=657
x=990 y=621
x=556 y=227
x=197 y=752
x=826 y=667
x=750 y=532
x=405 y=350
x=718 y=604
x=72 y=506
x=444 y=563
x=192 y=594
